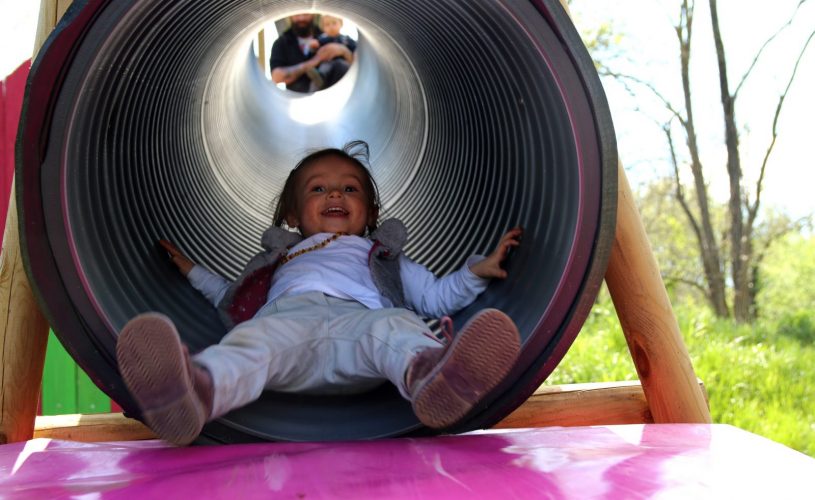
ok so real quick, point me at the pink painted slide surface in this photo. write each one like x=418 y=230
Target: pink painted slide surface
x=631 y=461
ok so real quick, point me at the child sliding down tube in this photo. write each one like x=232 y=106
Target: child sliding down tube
x=329 y=309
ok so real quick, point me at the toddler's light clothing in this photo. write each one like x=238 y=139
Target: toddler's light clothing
x=312 y=343
x=325 y=327
x=340 y=270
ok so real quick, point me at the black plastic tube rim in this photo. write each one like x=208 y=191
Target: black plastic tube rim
x=147 y=119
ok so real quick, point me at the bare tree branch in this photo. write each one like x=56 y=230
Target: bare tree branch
x=622 y=79
x=678 y=279
x=764 y=46
x=679 y=189
x=753 y=210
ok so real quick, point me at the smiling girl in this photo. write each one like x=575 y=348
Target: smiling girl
x=330 y=307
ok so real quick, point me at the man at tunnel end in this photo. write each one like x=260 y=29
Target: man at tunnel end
x=295 y=61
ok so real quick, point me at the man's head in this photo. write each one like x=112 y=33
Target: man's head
x=331 y=25
x=302 y=24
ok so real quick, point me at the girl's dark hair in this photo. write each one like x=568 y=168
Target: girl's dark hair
x=356 y=152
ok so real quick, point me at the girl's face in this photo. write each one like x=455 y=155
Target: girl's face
x=331 y=198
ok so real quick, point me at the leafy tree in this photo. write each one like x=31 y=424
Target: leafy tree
x=787 y=280
x=673 y=242
x=675 y=248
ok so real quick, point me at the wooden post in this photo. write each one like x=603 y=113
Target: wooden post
x=23 y=336
x=23 y=329
x=262 y=50
x=648 y=321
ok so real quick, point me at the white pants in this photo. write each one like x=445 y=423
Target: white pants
x=313 y=343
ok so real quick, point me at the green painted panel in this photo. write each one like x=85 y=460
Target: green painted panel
x=58 y=380
x=65 y=387
x=88 y=397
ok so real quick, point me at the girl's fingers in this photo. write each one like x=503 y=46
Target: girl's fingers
x=512 y=235
x=506 y=245
x=170 y=248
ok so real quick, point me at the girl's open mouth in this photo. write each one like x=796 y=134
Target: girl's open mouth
x=335 y=211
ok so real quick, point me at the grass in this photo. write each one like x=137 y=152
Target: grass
x=757 y=377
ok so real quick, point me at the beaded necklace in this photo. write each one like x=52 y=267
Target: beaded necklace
x=287 y=257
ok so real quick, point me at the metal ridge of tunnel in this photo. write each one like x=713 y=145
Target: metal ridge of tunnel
x=147 y=119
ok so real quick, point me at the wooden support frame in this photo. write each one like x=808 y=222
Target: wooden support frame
x=646 y=316
x=570 y=405
x=669 y=385
x=261 y=37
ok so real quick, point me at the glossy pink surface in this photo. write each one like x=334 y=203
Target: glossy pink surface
x=634 y=461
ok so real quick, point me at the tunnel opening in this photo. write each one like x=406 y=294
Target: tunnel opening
x=146 y=119
x=322 y=28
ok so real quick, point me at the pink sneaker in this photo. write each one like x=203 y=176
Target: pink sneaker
x=174 y=395
x=446 y=383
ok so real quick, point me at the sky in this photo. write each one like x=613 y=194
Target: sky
x=650 y=51
x=18 y=26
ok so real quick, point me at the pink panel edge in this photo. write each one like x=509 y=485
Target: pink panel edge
x=575 y=462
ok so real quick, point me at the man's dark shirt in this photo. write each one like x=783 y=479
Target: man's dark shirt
x=343 y=39
x=286 y=52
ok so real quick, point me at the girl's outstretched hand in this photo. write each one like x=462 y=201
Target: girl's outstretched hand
x=180 y=260
x=491 y=266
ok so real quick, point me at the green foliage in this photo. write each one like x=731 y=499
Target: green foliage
x=786 y=281
x=600 y=353
x=674 y=243
x=757 y=377
x=798 y=326
x=786 y=259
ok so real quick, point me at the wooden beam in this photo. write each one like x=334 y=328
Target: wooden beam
x=648 y=321
x=23 y=336
x=581 y=404
x=571 y=405
x=51 y=12
x=607 y=403
x=91 y=428
x=262 y=50
x=23 y=329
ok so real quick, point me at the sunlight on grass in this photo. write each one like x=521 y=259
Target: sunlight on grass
x=756 y=378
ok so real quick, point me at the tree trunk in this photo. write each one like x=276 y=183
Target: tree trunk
x=708 y=245
x=740 y=245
